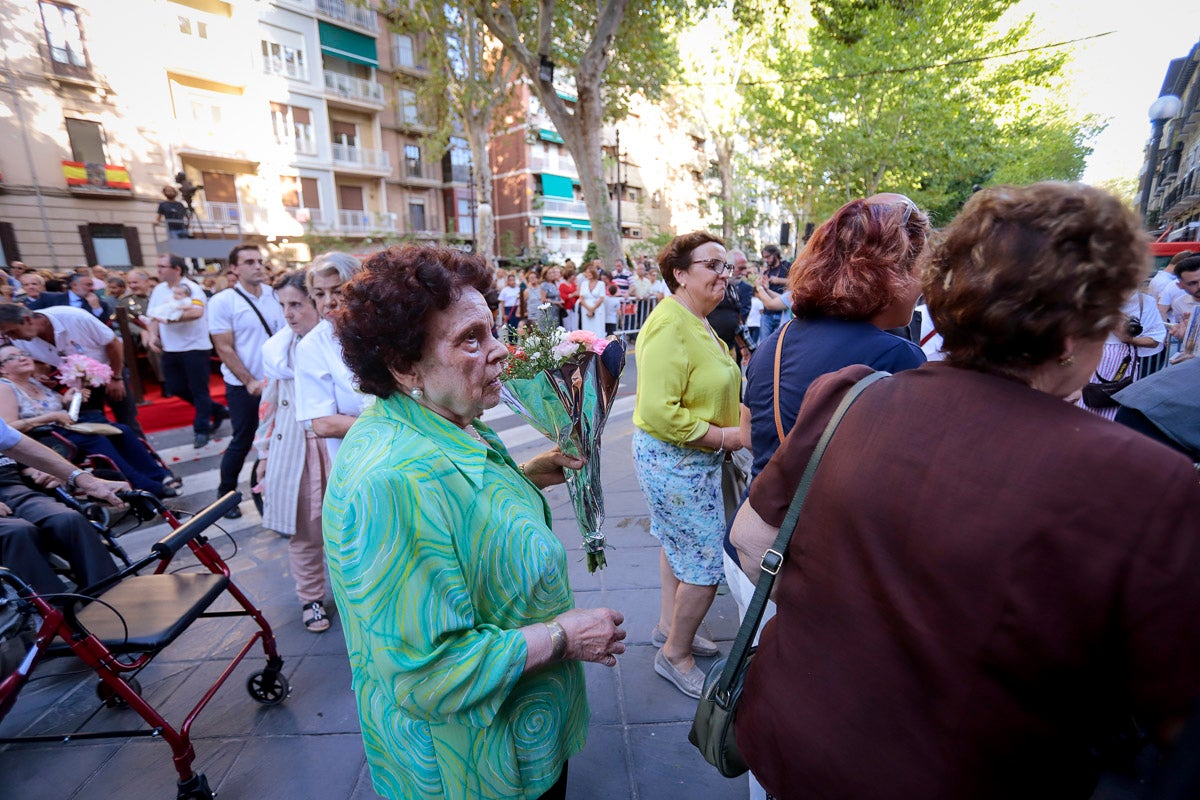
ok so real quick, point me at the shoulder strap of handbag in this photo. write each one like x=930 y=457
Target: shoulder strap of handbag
x=778 y=356
x=257 y=313
x=773 y=559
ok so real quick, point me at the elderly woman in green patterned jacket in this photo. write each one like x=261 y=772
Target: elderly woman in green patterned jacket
x=464 y=644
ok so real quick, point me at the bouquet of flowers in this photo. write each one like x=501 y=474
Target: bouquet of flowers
x=564 y=385
x=78 y=370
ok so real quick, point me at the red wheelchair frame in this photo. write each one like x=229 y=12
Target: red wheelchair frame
x=134 y=617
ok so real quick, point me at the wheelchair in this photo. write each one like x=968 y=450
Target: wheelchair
x=127 y=620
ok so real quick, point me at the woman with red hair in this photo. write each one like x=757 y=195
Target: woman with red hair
x=859 y=276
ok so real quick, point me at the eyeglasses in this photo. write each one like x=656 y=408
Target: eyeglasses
x=716 y=265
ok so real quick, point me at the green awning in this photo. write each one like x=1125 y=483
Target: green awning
x=557 y=186
x=563 y=222
x=346 y=44
x=549 y=135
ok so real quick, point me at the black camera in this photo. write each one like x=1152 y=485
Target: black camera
x=1133 y=328
x=747 y=339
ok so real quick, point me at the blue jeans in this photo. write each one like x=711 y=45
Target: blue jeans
x=771 y=321
x=187 y=374
x=243 y=417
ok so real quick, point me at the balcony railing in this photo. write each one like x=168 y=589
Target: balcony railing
x=420 y=170
x=366 y=222
x=564 y=165
x=351 y=88
x=360 y=157
x=346 y=11
x=572 y=208
x=222 y=213
x=308 y=216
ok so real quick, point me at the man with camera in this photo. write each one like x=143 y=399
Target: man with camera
x=1140 y=334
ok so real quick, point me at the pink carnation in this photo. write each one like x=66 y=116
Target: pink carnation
x=582 y=337
x=599 y=345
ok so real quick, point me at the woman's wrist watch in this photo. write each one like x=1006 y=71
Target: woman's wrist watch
x=558 y=640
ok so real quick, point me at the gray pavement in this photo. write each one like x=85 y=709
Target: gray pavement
x=309 y=746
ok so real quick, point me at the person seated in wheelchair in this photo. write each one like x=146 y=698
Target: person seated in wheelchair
x=27 y=404
x=33 y=526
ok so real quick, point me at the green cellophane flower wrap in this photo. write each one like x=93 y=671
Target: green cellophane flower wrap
x=564 y=385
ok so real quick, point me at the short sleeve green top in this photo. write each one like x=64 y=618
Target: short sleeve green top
x=439 y=550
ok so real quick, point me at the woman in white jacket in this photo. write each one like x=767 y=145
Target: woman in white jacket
x=294 y=463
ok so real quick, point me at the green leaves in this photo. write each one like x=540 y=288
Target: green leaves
x=926 y=97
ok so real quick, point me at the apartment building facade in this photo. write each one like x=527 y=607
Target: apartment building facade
x=290 y=116
x=1174 y=200
x=656 y=175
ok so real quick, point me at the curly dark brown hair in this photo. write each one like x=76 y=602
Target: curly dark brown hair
x=677 y=255
x=1024 y=267
x=383 y=320
x=859 y=260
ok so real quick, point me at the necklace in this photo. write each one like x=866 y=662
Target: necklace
x=474 y=434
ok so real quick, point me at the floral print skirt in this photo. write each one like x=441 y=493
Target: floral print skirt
x=682 y=487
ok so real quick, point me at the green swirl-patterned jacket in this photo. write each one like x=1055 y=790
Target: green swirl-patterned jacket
x=439 y=550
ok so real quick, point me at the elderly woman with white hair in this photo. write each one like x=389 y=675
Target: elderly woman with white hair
x=326 y=396
x=327 y=399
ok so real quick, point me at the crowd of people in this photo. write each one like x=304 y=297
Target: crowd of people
x=976 y=594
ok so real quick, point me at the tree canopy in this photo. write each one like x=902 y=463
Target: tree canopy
x=925 y=97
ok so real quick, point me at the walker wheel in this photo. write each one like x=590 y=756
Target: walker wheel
x=195 y=788
x=112 y=699
x=269 y=689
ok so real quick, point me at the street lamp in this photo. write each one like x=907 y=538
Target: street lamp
x=1163 y=109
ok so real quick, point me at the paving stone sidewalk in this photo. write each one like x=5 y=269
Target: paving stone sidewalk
x=309 y=747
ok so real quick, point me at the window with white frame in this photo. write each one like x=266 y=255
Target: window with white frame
x=409 y=113
x=412 y=161
x=280 y=59
x=402 y=50
x=205 y=112
x=64 y=38
x=189 y=26
x=293 y=127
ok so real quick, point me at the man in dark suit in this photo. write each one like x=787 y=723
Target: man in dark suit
x=79 y=294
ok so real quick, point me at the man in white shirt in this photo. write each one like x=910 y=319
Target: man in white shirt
x=51 y=334
x=1164 y=286
x=186 y=349
x=240 y=320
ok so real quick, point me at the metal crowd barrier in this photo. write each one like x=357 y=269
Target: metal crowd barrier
x=633 y=315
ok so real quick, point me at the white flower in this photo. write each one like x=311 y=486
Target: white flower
x=543 y=306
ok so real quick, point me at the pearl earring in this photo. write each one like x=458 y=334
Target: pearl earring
x=416 y=393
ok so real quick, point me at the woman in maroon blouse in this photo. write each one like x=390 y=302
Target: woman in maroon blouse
x=981 y=585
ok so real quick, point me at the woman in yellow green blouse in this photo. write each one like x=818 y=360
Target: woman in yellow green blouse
x=464 y=643
x=687 y=420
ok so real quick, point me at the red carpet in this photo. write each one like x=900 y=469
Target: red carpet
x=160 y=414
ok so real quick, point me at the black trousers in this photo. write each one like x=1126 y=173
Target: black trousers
x=243 y=417
x=187 y=374
x=39 y=526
